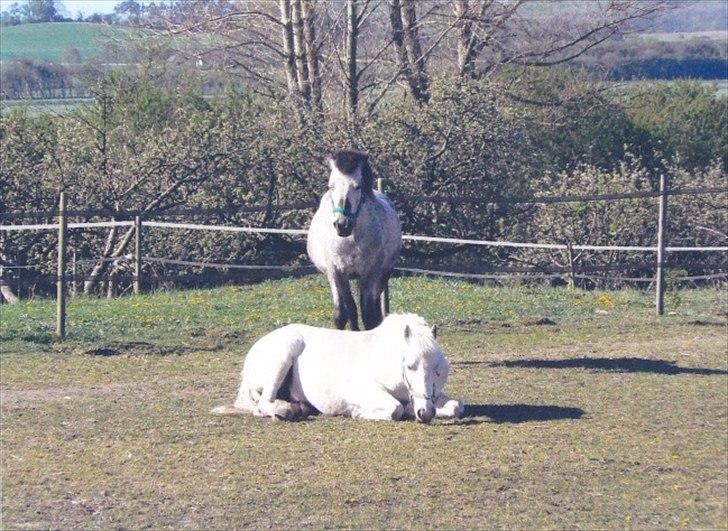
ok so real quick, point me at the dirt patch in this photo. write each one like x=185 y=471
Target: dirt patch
x=477 y=325
x=541 y=321
x=22 y=398
x=235 y=334
x=135 y=348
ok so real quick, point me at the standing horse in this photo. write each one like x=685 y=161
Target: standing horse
x=355 y=233
x=395 y=371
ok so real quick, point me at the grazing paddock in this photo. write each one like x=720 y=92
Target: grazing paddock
x=584 y=410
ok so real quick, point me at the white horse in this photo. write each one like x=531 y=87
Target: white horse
x=394 y=371
x=355 y=233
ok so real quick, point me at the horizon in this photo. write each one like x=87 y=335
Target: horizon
x=70 y=8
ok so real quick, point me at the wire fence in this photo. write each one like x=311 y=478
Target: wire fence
x=141 y=219
x=306 y=205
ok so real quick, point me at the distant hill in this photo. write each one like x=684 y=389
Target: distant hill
x=50 y=41
x=703 y=15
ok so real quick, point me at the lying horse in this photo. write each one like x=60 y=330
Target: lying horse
x=395 y=371
x=355 y=233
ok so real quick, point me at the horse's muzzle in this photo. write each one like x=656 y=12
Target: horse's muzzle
x=344 y=228
x=424 y=415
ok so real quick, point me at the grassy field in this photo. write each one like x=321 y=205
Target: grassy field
x=720 y=86
x=60 y=106
x=50 y=41
x=682 y=36
x=583 y=411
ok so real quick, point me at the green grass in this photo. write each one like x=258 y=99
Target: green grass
x=61 y=106
x=50 y=41
x=720 y=85
x=585 y=411
x=682 y=36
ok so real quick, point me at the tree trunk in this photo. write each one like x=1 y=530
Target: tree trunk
x=99 y=268
x=288 y=49
x=414 y=51
x=466 y=49
x=406 y=47
x=312 y=54
x=299 y=48
x=352 y=74
x=6 y=292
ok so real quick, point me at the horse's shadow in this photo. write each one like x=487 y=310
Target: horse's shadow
x=624 y=364
x=516 y=413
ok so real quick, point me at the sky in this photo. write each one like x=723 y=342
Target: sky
x=87 y=7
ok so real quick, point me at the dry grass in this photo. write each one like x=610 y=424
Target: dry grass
x=599 y=420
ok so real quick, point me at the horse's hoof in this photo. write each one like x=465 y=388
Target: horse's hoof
x=285 y=412
x=305 y=409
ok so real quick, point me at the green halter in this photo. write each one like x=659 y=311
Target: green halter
x=346 y=212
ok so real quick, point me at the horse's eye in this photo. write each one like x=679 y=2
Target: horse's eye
x=356 y=187
x=412 y=366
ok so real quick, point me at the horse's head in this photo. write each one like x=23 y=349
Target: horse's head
x=350 y=183
x=424 y=369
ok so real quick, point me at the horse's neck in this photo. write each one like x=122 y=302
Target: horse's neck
x=386 y=361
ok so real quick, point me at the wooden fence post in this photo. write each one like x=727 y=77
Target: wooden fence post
x=384 y=299
x=661 y=225
x=137 y=255
x=61 y=280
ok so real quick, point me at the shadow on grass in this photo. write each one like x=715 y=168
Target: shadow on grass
x=515 y=413
x=701 y=322
x=608 y=364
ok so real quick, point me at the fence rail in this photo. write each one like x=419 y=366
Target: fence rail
x=572 y=270
x=304 y=205
x=406 y=237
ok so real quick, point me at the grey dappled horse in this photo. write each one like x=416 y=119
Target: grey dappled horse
x=355 y=233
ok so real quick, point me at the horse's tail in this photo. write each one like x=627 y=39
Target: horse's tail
x=244 y=403
x=228 y=409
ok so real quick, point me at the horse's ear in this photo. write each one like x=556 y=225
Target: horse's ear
x=434 y=331
x=407 y=333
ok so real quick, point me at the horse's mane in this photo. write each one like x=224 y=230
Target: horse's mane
x=395 y=323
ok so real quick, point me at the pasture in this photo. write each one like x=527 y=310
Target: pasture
x=583 y=411
x=50 y=41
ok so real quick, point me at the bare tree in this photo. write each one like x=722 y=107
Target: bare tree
x=379 y=44
x=312 y=53
x=527 y=33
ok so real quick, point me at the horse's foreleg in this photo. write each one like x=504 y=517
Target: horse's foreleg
x=374 y=403
x=447 y=408
x=371 y=311
x=345 y=313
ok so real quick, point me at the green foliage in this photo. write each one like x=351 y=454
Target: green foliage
x=464 y=143
x=141 y=147
x=684 y=119
x=693 y=220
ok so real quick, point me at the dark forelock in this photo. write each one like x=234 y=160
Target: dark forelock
x=347 y=161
